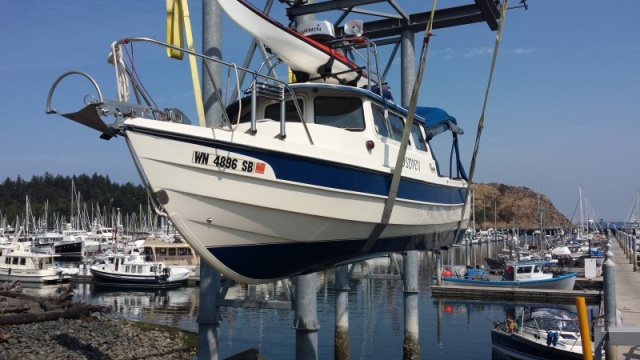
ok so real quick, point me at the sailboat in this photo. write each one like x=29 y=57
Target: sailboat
x=299 y=177
x=632 y=223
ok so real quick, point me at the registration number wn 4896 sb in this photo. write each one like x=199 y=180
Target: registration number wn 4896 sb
x=228 y=162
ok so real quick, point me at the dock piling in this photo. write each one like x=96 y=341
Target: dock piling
x=438 y=267
x=411 y=347
x=341 y=344
x=306 y=317
x=609 y=294
x=209 y=314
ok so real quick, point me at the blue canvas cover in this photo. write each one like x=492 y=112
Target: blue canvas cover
x=433 y=116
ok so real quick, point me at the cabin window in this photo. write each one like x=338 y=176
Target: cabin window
x=48 y=261
x=291 y=113
x=397 y=126
x=127 y=269
x=15 y=261
x=418 y=139
x=139 y=268
x=524 y=269
x=341 y=112
x=23 y=261
x=182 y=252
x=390 y=126
x=537 y=269
x=380 y=122
x=172 y=252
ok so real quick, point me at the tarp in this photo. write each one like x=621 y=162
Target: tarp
x=433 y=116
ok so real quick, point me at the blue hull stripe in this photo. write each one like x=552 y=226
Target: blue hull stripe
x=323 y=173
x=284 y=260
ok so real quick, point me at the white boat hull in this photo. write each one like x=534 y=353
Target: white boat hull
x=257 y=228
x=31 y=276
x=528 y=347
x=561 y=282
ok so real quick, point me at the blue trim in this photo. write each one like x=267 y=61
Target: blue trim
x=504 y=283
x=318 y=172
x=283 y=260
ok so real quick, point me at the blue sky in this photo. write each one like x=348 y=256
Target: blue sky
x=563 y=111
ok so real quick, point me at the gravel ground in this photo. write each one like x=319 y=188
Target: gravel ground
x=94 y=338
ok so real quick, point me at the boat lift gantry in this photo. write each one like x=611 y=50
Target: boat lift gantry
x=397 y=29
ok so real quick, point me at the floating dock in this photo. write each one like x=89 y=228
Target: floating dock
x=592 y=297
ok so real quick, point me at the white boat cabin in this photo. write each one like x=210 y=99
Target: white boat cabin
x=534 y=270
x=128 y=264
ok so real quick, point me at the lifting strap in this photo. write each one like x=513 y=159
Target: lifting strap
x=397 y=171
x=503 y=12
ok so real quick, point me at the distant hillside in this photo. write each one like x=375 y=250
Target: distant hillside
x=514 y=207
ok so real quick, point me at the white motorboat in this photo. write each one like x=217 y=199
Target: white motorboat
x=539 y=333
x=133 y=270
x=286 y=187
x=18 y=262
x=524 y=275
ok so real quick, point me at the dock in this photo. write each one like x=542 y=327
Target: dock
x=627 y=294
x=589 y=288
x=544 y=296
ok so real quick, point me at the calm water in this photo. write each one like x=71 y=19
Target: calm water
x=448 y=329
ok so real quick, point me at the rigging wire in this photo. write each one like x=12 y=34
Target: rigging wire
x=472 y=168
x=397 y=171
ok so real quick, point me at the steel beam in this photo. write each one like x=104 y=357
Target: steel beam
x=487 y=11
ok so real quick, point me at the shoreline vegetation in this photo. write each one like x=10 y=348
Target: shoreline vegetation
x=50 y=197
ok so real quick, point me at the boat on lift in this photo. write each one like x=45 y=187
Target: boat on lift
x=298 y=176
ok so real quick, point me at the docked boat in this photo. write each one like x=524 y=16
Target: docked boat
x=133 y=270
x=525 y=275
x=18 y=262
x=76 y=243
x=44 y=241
x=298 y=177
x=172 y=254
x=539 y=333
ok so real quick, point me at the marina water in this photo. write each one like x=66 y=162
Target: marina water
x=449 y=329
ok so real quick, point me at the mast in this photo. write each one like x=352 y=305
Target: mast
x=73 y=189
x=581 y=227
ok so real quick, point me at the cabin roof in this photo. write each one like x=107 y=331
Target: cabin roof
x=162 y=243
x=428 y=115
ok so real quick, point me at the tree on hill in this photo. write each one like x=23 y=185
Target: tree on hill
x=55 y=193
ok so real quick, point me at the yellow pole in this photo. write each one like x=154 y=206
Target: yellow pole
x=585 y=335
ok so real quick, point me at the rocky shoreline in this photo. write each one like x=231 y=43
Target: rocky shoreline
x=95 y=337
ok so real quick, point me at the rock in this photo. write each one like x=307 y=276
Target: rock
x=93 y=338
